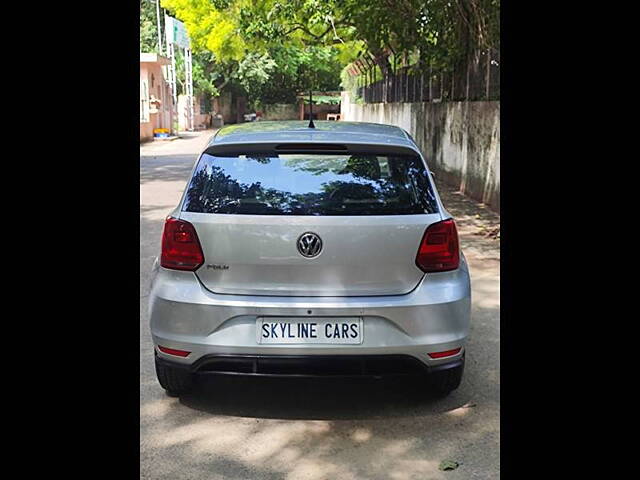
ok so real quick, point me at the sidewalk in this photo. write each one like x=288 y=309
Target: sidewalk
x=478 y=226
x=187 y=143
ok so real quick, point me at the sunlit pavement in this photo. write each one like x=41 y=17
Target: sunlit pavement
x=301 y=429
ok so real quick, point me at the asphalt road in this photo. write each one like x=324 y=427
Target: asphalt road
x=328 y=429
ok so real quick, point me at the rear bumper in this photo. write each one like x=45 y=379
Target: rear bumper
x=334 y=366
x=434 y=317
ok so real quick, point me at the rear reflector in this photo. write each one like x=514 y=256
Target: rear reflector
x=446 y=353
x=173 y=351
x=439 y=250
x=180 y=246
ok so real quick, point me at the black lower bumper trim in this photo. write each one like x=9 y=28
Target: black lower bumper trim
x=312 y=365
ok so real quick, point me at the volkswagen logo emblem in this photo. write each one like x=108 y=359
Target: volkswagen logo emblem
x=309 y=245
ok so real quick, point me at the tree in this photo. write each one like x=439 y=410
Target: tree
x=148 y=27
x=253 y=49
x=302 y=44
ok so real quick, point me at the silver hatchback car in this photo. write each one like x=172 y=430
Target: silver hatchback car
x=310 y=251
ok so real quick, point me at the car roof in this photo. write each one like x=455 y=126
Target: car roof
x=296 y=131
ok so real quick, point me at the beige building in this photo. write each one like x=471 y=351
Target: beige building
x=201 y=112
x=156 y=106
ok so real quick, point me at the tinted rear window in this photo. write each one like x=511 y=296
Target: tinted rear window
x=310 y=184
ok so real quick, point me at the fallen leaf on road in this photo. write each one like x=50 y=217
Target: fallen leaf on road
x=448 y=465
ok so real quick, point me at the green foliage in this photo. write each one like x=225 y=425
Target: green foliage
x=440 y=33
x=273 y=49
x=348 y=82
x=323 y=100
x=148 y=27
x=278 y=75
x=205 y=74
x=212 y=26
x=254 y=71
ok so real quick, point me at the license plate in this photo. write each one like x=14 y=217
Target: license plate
x=297 y=330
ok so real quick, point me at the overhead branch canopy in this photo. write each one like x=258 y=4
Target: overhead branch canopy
x=307 y=42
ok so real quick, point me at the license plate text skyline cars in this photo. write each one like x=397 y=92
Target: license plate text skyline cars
x=309 y=330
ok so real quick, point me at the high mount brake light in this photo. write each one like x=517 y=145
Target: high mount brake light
x=439 y=250
x=181 y=248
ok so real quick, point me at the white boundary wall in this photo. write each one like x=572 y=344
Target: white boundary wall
x=461 y=140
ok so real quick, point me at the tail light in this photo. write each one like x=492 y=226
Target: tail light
x=180 y=246
x=439 y=250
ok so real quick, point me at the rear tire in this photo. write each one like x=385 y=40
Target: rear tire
x=443 y=382
x=175 y=380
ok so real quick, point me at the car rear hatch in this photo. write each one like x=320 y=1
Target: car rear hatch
x=312 y=224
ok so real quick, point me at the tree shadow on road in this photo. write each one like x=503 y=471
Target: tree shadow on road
x=165 y=168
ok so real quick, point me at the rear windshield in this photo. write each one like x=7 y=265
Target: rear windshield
x=310 y=184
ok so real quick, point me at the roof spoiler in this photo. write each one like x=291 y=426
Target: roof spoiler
x=233 y=149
